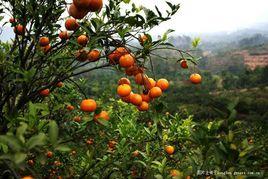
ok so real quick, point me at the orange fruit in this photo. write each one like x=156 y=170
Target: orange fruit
x=126 y=61
x=49 y=154
x=70 y=107
x=149 y=83
x=82 y=4
x=169 y=149
x=71 y=24
x=136 y=99
x=135 y=153
x=143 y=38
x=112 y=144
x=64 y=35
x=81 y=55
x=19 y=29
x=124 y=81
x=27 y=177
x=46 y=48
x=139 y=79
x=195 y=78
x=77 y=119
x=43 y=41
x=126 y=98
x=163 y=84
x=30 y=162
x=144 y=106
x=155 y=92
x=184 y=64
x=60 y=84
x=102 y=115
x=123 y=90
x=90 y=141
x=82 y=40
x=93 y=55
x=44 y=92
x=77 y=13
x=12 y=20
x=95 y=5
x=146 y=98
x=174 y=173
x=116 y=54
x=88 y=105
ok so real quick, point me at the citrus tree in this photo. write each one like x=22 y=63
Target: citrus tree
x=47 y=118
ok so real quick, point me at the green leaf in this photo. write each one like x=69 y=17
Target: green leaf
x=37 y=140
x=63 y=148
x=13 y=143
x=20 y=131
x=164 y=38
x=19 y=157
x=53 y=132
x=103 y=122
x=196 y=42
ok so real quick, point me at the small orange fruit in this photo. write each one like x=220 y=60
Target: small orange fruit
x=136 y=99
x=88 y=105
x=155 y=92
x=44 y=92
x=143 y=38
x=43 y=41
x=163 y=84
x=95 y=5
x=149 y=83
x=81 y=55
x=46 y=48
x=116 y=54
x=70 y=108
x=123 y=90
x=126 y=98
x=82 y=40
x=30 y=162
x=12 y=20
x=93 y=55
x=135 y=153
x=144 y=106
x=139 y=79
x=195 y=78
x=184 y=64
x=64 y=35
x=60 y=84
x=146 y=98
x=169 y=149
x=77 y=13
x=49 y=154
x=19 y=29
x=126 y=61
x=27 y=177
x=102 y=115
x=174 y=173
x=90 y=141
x=124 y=81
x=71 y=24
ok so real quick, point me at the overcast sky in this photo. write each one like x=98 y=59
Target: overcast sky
x=205 y=16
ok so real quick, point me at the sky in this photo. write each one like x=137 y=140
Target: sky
x=204 y=16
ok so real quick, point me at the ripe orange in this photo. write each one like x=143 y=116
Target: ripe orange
x=44 y=92
x=116 y=54
x=43 y=41
x=60 y=84
x=146 y=98
x=163 y=84
x=82 y=4
x=102 y=115
x=143 y=38
x=95 y=5
x=136 y=99
x=123 y=90
x=49 y=154
x=93 y=55
x=126 y=61
x=64 y=35
x=27 y=177
x=144 y=106
x=71 y=24
x=169 y=149
x=30 y=162
x=19 y=29
x=184 y=64
x=155 y=92
x=135 y=153
x=195 y=78
x=124 y=81
x=81 y=55
x=77 y=119
x=88 y=105
x=77 y=13
x=126 y=98
x=12 y=20
x=82 y=40
x=46 y=48
x=149 y=83
x=70 y=108
x=90 y=141
x=139 y=79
